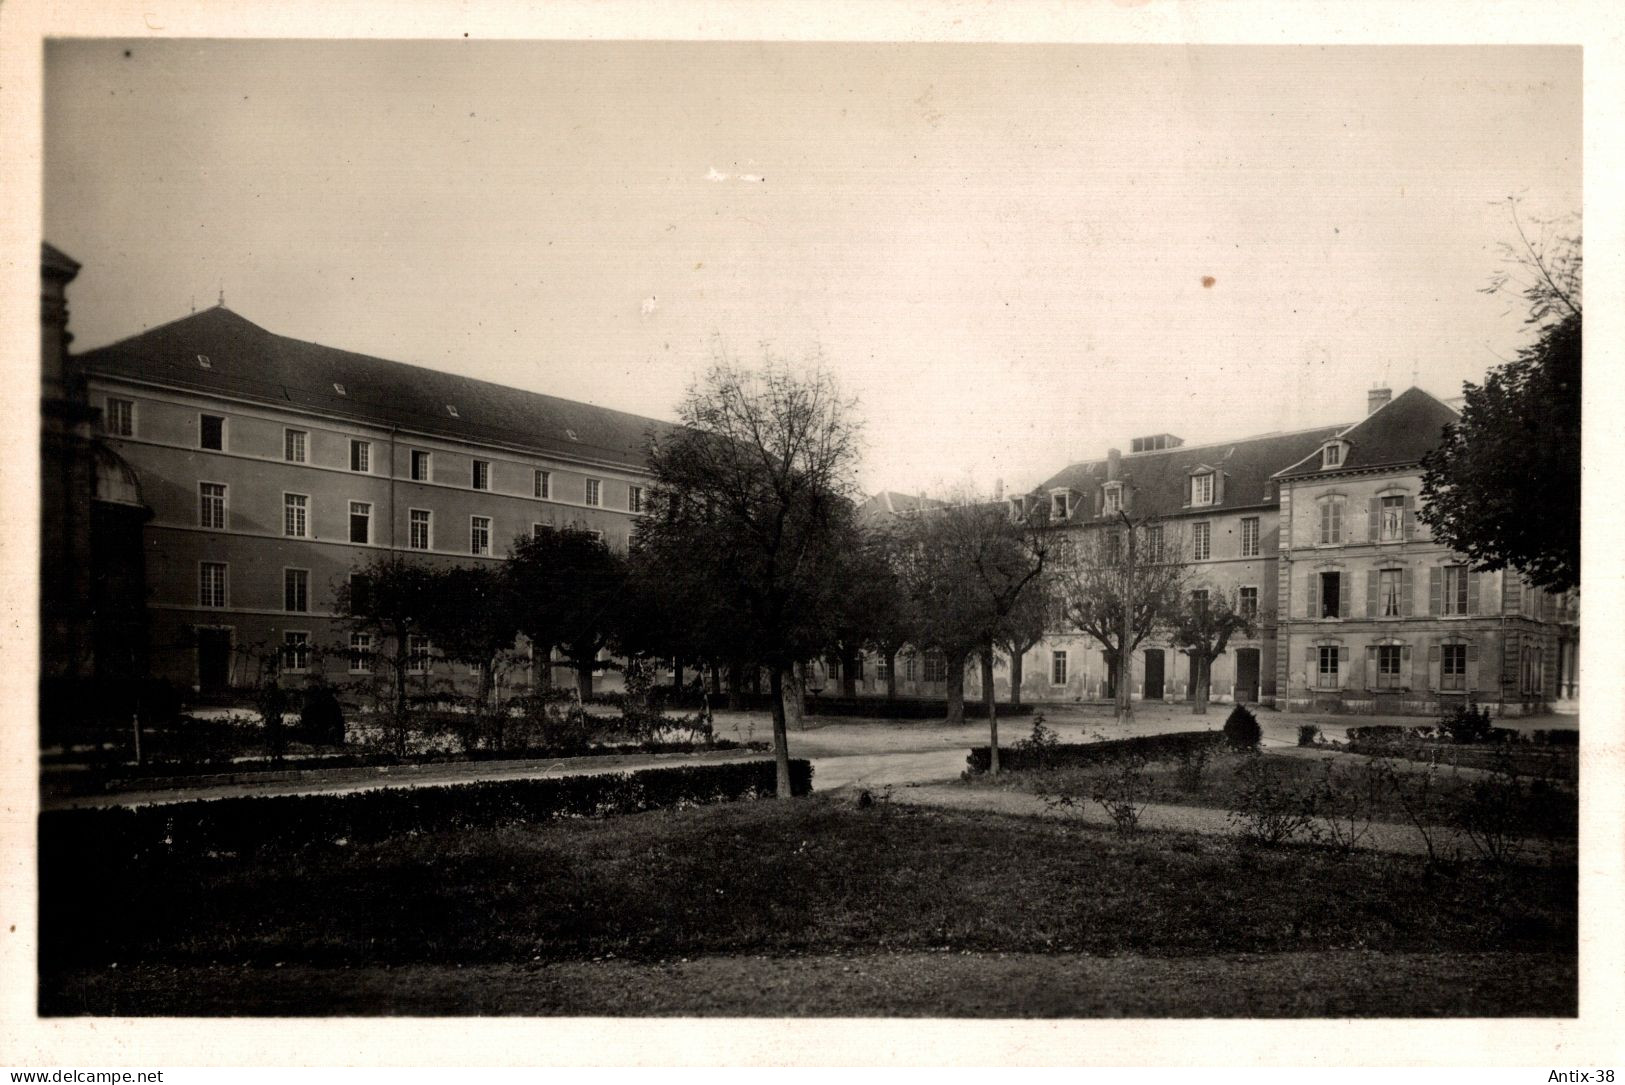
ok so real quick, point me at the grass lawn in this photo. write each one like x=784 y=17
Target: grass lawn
x=811 y=906
x=1549 y=803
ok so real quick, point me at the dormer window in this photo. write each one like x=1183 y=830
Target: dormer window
x=203 y=362
x=1057 y=506
x=1015 y=508
x=1332 y=455
x=1112 y=501
x=1202 y=489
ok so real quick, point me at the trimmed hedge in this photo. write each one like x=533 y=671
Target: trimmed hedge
x=118 y=835
x=904 y=708
x=1168 y=747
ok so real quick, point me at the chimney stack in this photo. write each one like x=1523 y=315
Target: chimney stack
x=1376 y=398
x=1114 y=464
x=998 y=489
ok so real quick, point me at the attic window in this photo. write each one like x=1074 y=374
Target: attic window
x=1202 y=489
x=1331 y=455
x=1113 y=499
x=1057 y=506
x=203 y=362
x=452 y=411
x=339 y=388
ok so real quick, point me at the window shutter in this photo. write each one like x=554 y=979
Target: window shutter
x=1410 y=516
x=1100 y=498
x=1407 y=592
x=1218 y=487
x=1472 y=591
x=1373 y=524
x=1435 y=590
x=1419 y=662
x=1311 y=595
x=1342 y=666
x=1345 y=592
x=1472 y=666
x=1433 y=666
x=1311 y=665
x=1372 y=578
x=1371 y=666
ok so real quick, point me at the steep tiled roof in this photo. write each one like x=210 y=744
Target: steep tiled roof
x=248 y=362
x=1401 y=431
x=891 y=503
x=1160 y=479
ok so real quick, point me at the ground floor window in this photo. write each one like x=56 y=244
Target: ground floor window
x=360 y=653
x=417 y=654
x=1453 y=666
x=296 y=652
x=1326 y=670
x=936 y=667
x=1057 y=667
x=883 y=668
x=1389 y=657
x=1533 y=679
x=908 y=666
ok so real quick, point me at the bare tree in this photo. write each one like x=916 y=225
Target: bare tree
x=1202 y=629
x=1120 y=584
x=752 y=497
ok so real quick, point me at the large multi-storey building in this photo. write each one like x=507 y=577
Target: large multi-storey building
x=274 y=468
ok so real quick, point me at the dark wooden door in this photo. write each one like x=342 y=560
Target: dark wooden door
x=1153 y=674
x=213 y=660
x=1246 y=674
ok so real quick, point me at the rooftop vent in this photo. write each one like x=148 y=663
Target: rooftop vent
x=203 y=362
x=452 y=411
x=339 y=388
x=570 y=433
x=1156 y=442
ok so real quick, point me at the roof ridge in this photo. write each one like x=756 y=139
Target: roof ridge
x=1215 y=444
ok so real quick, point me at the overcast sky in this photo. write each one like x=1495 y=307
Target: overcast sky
x=1003 y=251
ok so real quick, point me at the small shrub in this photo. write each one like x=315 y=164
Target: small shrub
x=1268 y=810
x=1241 y=730
x=1191 y=762
x=321 y=720
x=1308 y=734
x=1345 y=804
x=1125 y=792
x=1466 y=724
x=1152 y=747
x=1035 y=750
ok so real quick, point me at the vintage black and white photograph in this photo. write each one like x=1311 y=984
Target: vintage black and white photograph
x=763 y=529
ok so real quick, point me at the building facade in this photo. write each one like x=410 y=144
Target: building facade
x=274 y=468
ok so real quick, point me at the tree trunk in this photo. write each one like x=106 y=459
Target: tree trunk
x=489 y=721
x=1125 y=658
x=584 y=669
x=781 y=738
x=1204 y=669
x=736 y=685
x=891 y=674
x=402 y=661
x=1015 y=677
x=849 y=672
x=794 y=695
x=990 y=698
x=716 y=680
x=677 y=673
x=956 y=688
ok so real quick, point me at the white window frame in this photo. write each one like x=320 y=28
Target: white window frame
x=412 y=462
x=1398 y=533
x=1111 y=502
x=295 y=441
x=419 y=661
x=1397 y=578
x=1202 y=541
x=288 y=581
x=360 y=451
x=361 y=648
x=225 y=507
x=1241 y=600
x=476 y=525
x=225 y=585
x=1452 y=682
x=634 y=498
x=1454 y=603
x=1331 y=455
x=1395 y=679
x=1251 y=544
x=1202 y=488
x=301 y=513
x=1058 y=666
x=592 y=492
x=110 y=413
x=1321 y=671
x=1331 y=512
x=544 y=485
x=479 y=476
x=1153 y=544
x=428 y=529
x=349 y=533
x=288 y=656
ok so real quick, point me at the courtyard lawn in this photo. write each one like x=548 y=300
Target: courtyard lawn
x=812 y=906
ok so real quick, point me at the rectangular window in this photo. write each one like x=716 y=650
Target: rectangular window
x=908 y=667
x=481 y=475
x=211 y=505
x=1388 y=587
x=1202 y=489
x=1114 y=546
x=1326 y=673
x=1453 y=666
x=1455 y=589
x=1248 y=601
x=1334 y=455
x=417 y=654
x=1057 y=668
x=293 y=445
x=293 y=515
x=120 y=417
x=634 y=498
x=936 y=667
x=360 y=522
x=211 y=432
x=883 y=669
x=1331 y=522
x=418 y=538
x=592 y=492
x=1331 y=595
x=1114 y=500
x=296 y=590
x=1199 y=600
x=420 y=465
x=1249 y=536
x=1392 y=525
x=1201 y=541
x=1389 y=675
x=479 y=535
x=361 y=456
x=360 y=653
x=295 y=651
x=211 y=587
x=544 y=484
x=1153 y=544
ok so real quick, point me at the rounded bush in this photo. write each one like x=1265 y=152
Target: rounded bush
x=1241 y=729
